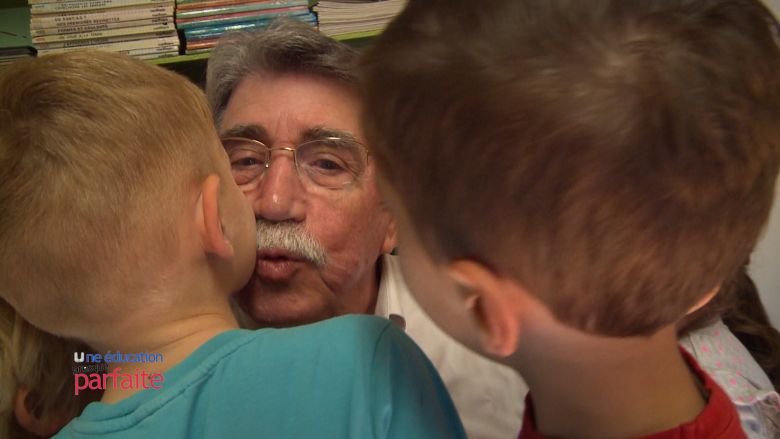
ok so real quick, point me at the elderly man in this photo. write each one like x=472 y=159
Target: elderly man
x=286 y=104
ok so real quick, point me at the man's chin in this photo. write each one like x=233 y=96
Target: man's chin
x=282 y=304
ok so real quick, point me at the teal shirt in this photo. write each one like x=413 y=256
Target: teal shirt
x=349 y=377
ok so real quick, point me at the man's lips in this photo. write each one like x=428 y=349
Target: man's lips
x=278 y=253
x=277 y=265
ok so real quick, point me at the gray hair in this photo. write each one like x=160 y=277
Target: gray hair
x=286 y=46
x=293 y=237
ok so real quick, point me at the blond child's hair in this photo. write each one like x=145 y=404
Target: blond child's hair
x=98 y=152
x=39 y=362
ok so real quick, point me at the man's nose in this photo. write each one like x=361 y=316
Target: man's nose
x=282 y=195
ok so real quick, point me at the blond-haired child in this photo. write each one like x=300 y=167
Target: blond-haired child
x=121 y=226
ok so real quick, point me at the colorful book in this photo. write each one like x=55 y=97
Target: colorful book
x=230 y=9
x=104 y=40
x=239 y=17
x=99 y=17
x=89 y=5
x=217 y=31
x=201 y=44
x=108 y=33
x=192 y=3
x=219 y=3
x=100 y=27
x=168 y=43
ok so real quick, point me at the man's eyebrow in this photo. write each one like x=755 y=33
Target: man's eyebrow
x=316 y=133
x=249 y=131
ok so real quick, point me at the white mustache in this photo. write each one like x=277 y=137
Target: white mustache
x=292 y=237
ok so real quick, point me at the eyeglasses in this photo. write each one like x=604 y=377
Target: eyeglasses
x=329 y=162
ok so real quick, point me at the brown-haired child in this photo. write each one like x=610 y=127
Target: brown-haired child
x=570 y=178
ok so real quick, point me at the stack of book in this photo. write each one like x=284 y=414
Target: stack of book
x=356 y=18
x=140 y=28
x=202 y=22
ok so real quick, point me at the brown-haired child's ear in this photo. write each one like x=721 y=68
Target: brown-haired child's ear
x=209 y=223
x=30 y=418
x=705 y=299
x=493 y=304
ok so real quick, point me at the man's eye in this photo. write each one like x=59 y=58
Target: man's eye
x=244 y=159
x=245 y=162
x=327 y=165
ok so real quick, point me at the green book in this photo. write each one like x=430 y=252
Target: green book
x=15 y=40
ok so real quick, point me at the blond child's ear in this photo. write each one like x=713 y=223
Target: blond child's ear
x=492 y=300
x=212 y=235
x=36 y=423
x=704 y=300
x=391 y=237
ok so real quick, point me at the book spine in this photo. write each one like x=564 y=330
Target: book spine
x=168 y=43
x=216 y=31
x=197 y=2
x=193 y=3
x=235 y=8
x=148 y=52
x=237 y=18
x=195 y=51
x=213 y=4
x=202 y=44
x=148 y=56
x=88 y=5
x=35 y=2
x=99 y=27
x=104 y=40
x=109 y=33
x=213 y=31
x=38 y=2
x=245 y=15
x=99 y=17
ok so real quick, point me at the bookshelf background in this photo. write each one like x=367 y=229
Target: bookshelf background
x=193 y=66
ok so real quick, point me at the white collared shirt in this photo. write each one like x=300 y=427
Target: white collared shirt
x=489 y=396
x=720 y=353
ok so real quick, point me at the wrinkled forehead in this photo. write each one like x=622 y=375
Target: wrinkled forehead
x=291 y=108
x=305 y=134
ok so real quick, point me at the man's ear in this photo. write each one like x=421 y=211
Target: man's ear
x=391 y=236
x=492 y=301
x=35 y=423
x=209 y=224
x=704 y=300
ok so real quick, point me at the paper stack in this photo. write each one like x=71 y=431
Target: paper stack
x=344 y=17
x=140 y=28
